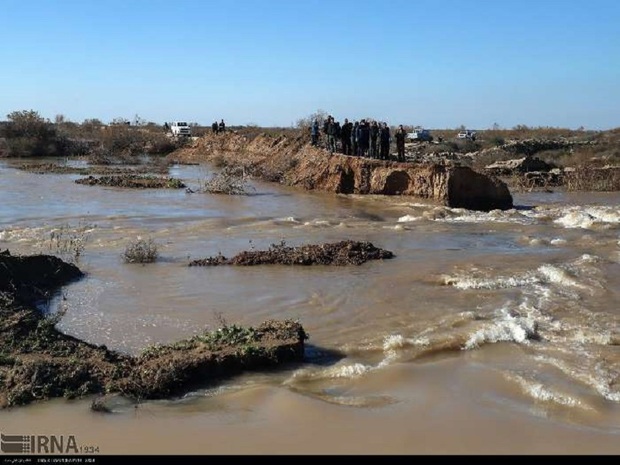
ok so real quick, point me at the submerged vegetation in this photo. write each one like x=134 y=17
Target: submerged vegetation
x=141 y=251
x=68 y=242
x=230 y=180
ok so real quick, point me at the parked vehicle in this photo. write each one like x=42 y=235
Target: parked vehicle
x=180 y=128
x=466 y=134
x=420 y=134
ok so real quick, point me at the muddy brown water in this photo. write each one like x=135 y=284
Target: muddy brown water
x=487 y=333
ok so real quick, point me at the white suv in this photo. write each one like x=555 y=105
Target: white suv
x=467 y=134
x=420 y=134
x=180 y=128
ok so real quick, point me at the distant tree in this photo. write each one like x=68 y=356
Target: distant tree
x=306 y=122
x=29 y=134
x=27 y=123
x=138 y=121
x=92 y=122
x=496 y=127
x=119 y=121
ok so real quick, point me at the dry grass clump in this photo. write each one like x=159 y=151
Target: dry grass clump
x=230 y=180
x=141 y=251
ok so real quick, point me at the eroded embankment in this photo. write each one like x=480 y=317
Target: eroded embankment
x=39 y=362
x=294 y=162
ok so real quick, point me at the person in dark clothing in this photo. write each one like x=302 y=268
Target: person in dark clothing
x=374 y=135
x=325 y=130
x=214 y=127
x=384 y=142
x=314 y=132
x=354 y=147
x=400 y=135
x=363 y=138
x=345 y=137
x=332 y=134
x=222 y=127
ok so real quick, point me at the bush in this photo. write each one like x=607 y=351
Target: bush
x=231 y=181
x=592 y=179
x=497 y=141
x=68 y=242
x=141 y=251
x=29 y=135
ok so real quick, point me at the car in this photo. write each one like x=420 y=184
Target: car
x=180 y=128
x=420 y=134
x=466 y=134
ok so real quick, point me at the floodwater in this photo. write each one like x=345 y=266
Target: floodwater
x=487 y=333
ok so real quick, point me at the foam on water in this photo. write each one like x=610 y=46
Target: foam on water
x=592 y=372
x=589 y=217
x=540 y=392
x=570 y=217
x=288 y=219
x=556 y=275
x=566 y=276
x=466 y=282
x=22 y=234
x=318 y=223
x=504 y=328
x=461 y=215
x=408 y=219
x=341 y=370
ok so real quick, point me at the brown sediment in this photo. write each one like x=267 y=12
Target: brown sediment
x=39 y=362
x=338 y=254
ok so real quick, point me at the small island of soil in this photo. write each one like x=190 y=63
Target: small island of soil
x=38 y=362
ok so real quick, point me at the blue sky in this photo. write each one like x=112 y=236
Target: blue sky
x=439 y=64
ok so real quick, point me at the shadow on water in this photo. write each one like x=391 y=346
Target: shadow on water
x=368 y=216
x=320 y=356
x=526 y=208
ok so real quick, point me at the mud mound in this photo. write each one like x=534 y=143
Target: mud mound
x=52 y=168
x=39 y=362
x=33 y=277
x=336 y=254
x=133 y=181
x=163 y=371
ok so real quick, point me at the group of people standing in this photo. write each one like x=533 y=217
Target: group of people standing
x=361 y=139
x=221 y=127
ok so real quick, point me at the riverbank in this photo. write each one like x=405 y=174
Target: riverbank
x=293 y=161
